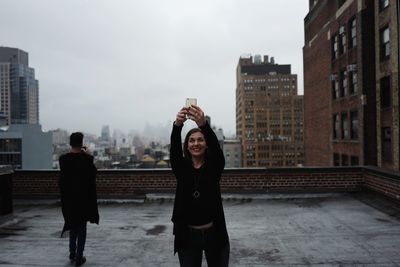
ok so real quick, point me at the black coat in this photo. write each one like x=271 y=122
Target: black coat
x=78 y=190
x=209 y=185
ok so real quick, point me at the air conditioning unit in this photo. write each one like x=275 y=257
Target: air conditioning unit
x=352 y=67
x=333 y=77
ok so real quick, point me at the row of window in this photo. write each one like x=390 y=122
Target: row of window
x=10 y=145
x=339 y=40
x=270 y=80
x=386 y=144
x=345 y=160
x=345 y=84
x=342 y=128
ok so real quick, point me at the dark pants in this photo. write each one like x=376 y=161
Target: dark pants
x=200 y=240
x=77 y=239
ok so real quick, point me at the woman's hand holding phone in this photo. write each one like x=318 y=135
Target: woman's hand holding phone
x=181 y=116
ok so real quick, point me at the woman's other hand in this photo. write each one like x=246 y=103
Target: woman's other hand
x=181 y=116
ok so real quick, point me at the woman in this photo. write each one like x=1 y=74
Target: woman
x=198 y=216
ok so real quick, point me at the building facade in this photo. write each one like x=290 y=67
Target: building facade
x=19 y=90
x=386 y=30
x=269 y=113
x=232 y=152
x=342 y=73
x=25 y=146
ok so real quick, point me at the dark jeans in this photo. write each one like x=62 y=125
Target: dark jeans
x=203 y=240
x=77 y=239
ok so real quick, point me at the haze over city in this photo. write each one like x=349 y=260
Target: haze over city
x=129 y=64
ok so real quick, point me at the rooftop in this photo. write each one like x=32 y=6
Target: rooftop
x=324 y=229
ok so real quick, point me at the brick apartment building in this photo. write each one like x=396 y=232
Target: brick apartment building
x=343 y=70
x=269 y=113
x=387 y=82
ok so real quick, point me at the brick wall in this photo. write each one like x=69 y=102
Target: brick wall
x=133 y=183
x=382 y=181
x=317 y=64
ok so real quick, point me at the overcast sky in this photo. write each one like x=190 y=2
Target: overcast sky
x=125 y=63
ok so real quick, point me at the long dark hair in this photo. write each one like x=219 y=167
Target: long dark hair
x=186 y=153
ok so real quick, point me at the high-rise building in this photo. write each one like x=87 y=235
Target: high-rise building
x=351 y=90
x=269 y=113
x=387 y=41
x=105 y=133
x=19 y=90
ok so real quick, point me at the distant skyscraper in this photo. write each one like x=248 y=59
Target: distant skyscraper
x=19 y=90
x=269 y=114
x=105 y=133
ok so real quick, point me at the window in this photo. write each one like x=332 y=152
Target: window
x=345 y=129
x=335 y=87
x=336 y=160
x=343 y=79
x=353 y=33
x=354 y=125
x=354 y=161
x=352 y=82
x=342 y=40
x=335 y=126
x=386 y=144
x=345 y=160
x=385 y=92
x=383 y=4
x=385 y=43
x=335 y=47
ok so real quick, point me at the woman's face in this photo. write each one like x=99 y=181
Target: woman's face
x=197 y=144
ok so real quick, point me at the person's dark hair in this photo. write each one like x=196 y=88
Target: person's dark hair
x=186 y=152
x=76 y=139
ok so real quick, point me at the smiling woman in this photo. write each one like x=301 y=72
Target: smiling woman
x=198 y=216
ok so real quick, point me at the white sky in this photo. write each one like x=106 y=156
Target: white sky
x=126 y=63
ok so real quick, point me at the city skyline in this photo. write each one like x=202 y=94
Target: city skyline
x=127 y=64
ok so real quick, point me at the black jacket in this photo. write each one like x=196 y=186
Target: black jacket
x=209 y=184
x=78 y=189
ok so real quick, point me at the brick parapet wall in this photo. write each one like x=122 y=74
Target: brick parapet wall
x=383 y=182
x=133 y=183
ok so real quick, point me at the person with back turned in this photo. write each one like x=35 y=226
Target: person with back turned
x=198 y=215
x=78 y=195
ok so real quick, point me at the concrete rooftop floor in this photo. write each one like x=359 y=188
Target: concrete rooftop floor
x=330 y=229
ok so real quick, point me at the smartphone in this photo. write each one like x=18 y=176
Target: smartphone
x=191 y=101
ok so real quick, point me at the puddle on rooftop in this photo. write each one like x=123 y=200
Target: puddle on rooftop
x=382 y=220
x=128 y=228
x=262 y=255
x=11 y=231
x=314 y=202
x=156 y=230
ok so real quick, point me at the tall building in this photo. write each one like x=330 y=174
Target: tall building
x=387 y=41
x=19 y=90
x=269 y=113
x=105 y=133
x=350 y=53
